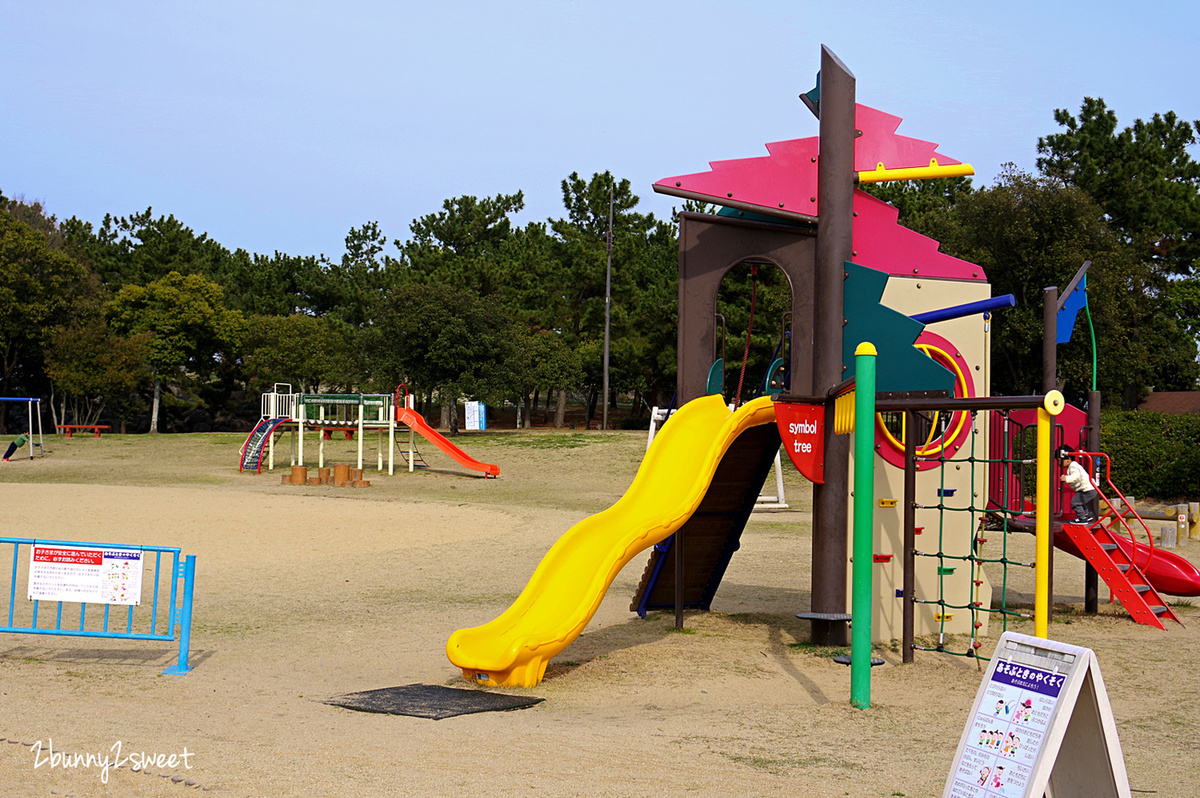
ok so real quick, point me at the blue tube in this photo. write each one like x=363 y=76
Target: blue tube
x=969 y=309
x=183 y=616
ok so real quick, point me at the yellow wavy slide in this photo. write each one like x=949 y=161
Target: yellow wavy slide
x=567 y=586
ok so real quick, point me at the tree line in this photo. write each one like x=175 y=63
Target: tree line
x=139 y=317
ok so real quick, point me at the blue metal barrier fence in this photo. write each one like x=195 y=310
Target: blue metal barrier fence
x=170 y=584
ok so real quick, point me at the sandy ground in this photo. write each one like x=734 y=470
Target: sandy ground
x=307 y=593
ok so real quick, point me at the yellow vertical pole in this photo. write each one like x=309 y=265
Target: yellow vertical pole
x=1052 y=406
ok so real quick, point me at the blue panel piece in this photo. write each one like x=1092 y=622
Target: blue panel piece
x=662 y=549
x=1065 y=322
x=900 y=366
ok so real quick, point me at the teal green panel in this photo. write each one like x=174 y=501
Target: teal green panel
x=716 y=378
x=812 y=98
x=775 y=375
x=735 y=213
x=900 y=366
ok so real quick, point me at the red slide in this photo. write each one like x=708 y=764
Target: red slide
x=1167 y=571
x=413 y=419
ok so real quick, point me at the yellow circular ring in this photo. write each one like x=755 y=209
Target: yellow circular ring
x=929 y=449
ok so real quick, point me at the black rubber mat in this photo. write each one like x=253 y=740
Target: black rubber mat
x=431 y=701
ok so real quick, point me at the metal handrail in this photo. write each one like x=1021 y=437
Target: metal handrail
x=1113 y=512
x=396 y=405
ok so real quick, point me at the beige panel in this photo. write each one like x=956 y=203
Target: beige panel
x=970 y=337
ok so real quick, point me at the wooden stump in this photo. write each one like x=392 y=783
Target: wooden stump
x=299 y=475
x=341 y=475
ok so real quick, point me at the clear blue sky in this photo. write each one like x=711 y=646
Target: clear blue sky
x=281 y=125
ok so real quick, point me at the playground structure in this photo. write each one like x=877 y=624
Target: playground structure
x=788 y=232
x=945 y=458
x=34 y=415
x=352 y=416
x=896 y=289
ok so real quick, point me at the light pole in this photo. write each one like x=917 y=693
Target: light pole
x=608 y=242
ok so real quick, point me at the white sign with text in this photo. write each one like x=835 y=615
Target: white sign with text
x=1041 y=725
x=87 y=575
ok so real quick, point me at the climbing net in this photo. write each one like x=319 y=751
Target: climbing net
x=991 y=515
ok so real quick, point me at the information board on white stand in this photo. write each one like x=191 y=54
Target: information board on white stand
x=476 y=415
x=1041 y=726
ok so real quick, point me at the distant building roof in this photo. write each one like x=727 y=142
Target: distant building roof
x=1174 y=402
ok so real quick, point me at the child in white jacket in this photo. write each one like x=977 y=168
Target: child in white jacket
x=1077 y=479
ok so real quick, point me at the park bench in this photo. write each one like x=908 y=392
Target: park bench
x=67 y=429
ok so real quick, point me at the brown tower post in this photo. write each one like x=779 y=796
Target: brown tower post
x=835 y=200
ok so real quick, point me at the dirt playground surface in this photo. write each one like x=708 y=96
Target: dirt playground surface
x=306 y=593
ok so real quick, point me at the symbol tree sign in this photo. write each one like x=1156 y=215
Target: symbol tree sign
x=92 y=576
x=802 y=428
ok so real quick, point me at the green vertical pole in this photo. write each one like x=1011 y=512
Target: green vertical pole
x=864 y=527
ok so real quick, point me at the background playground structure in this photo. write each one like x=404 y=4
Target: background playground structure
x=351 y=416
x=33 y=423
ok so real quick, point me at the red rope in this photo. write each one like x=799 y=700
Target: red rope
x=749 y=329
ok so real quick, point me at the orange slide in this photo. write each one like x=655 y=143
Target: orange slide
x=412 y=418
